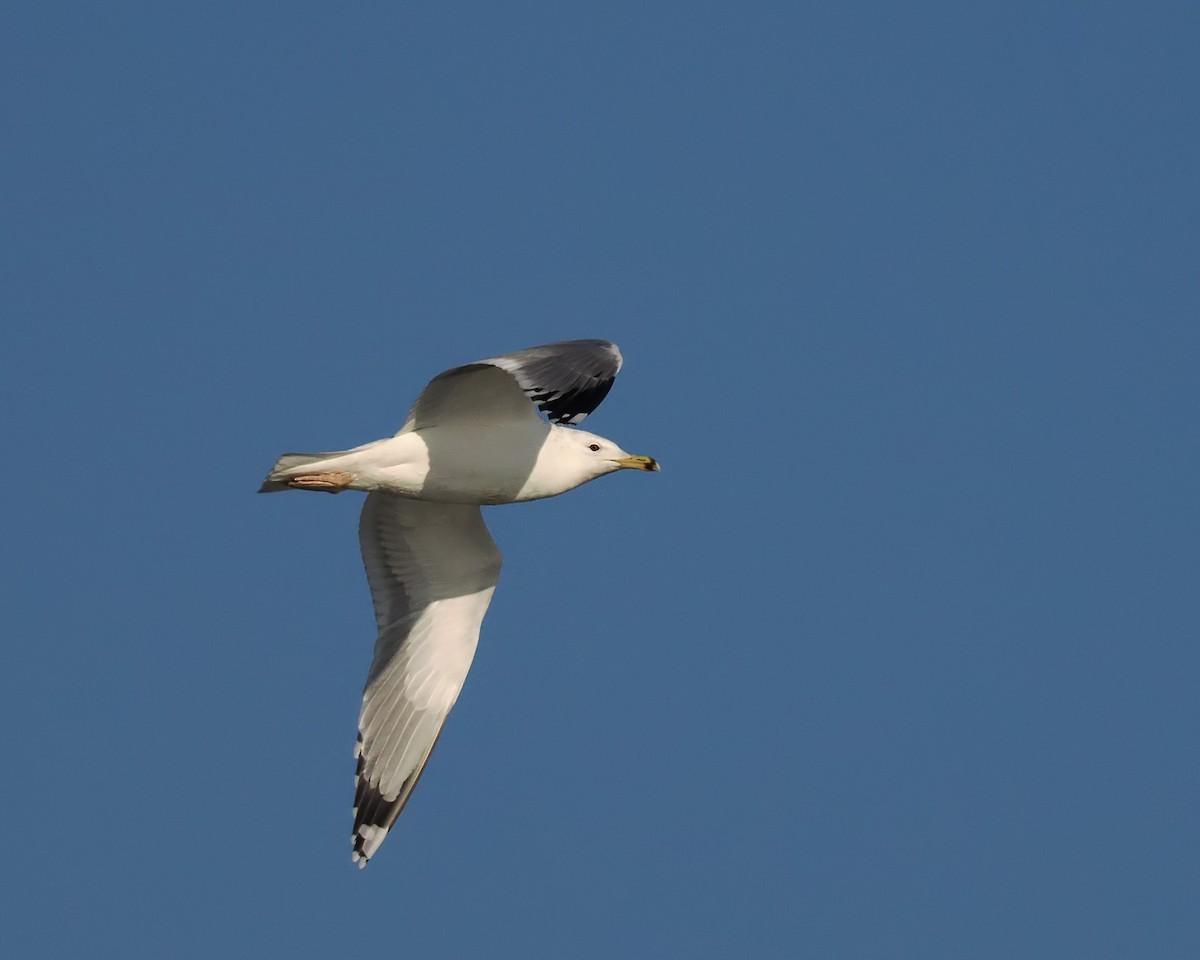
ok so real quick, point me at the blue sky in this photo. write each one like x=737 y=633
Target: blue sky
x=896 y=657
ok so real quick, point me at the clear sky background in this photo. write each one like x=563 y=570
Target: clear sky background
x=897 y=657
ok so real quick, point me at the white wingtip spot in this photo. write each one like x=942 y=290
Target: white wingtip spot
x=367 y=839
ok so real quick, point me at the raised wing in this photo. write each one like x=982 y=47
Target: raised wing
x=565 y=380
x=432 y=568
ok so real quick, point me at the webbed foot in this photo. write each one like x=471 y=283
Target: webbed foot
x=334 y=482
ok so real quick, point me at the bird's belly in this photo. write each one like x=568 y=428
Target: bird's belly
x=479 y=464
x=459 y=465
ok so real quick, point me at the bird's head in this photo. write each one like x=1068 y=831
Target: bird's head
x=601 y=456
x=572 y=457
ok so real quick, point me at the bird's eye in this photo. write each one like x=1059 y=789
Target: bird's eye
x=593 y=447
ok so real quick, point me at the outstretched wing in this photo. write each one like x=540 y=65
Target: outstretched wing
x=565 y=380
x=432 y=568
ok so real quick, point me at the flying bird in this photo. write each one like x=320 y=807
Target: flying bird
x=474 y=437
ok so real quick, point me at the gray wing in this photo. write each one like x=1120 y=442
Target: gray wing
x=432 y=568
x=566 y=381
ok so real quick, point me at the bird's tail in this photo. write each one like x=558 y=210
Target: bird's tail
x=285 y=467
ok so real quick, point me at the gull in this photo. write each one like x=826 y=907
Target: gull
x=473 y=437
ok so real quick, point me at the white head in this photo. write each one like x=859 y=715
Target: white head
x=571 y=457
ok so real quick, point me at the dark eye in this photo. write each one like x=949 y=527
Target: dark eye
x=593 y=447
